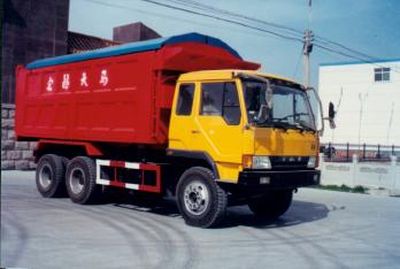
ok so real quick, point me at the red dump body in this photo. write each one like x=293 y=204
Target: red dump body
x=124 y=98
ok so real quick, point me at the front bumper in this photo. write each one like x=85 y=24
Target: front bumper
x=266 y=179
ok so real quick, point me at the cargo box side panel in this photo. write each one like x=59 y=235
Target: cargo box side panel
x=37 y=116
x=121 y=111
x=106 y=100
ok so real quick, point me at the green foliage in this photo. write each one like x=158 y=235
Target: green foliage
x=360 y=189
x=343 y=188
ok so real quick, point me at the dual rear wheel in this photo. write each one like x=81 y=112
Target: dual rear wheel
x=56 y=176
x=50 y=174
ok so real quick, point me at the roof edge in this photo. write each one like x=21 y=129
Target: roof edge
x=361 y=62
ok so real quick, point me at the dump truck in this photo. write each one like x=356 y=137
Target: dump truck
x=182 y=116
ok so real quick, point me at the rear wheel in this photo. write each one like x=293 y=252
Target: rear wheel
x=81 y=181
x=50 y=178
x=272 y=204
x=201 y=201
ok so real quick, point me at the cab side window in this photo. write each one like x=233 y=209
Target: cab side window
x=211 y=99
x=185 y=100
x=220 y=99
x=231 y=104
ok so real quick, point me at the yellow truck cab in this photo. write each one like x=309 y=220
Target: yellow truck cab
x=254 y=135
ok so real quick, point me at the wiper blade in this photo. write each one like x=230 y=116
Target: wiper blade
x=280 y=125
x=305 y=127
x=286 y=125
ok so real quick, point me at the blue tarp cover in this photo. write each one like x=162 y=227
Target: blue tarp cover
x=133 y=47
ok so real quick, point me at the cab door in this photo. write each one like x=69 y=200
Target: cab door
x=219 y=126
x=182 y=118
x=208 y=119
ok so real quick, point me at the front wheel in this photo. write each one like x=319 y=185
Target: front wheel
x=272 y=204
x=201 y=201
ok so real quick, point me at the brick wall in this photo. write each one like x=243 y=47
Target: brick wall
x=133 y=32
x=32 y=29
x=14 y=154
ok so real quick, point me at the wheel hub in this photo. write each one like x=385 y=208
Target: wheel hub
x=196 y=198
x=45 y=176
x=77 y=180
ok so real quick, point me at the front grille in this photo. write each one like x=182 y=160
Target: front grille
x=288 y=162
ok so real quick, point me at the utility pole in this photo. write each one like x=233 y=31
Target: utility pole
x=362 y=98
x=307 y=47
x=390 y=124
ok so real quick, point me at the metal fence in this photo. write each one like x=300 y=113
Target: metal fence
x=335 y=152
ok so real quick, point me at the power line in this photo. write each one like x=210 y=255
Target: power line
x=322 y=41
x=354 y=57
x=327 y=41
x=296 y=68
x=141 y=11
x=196 y=13
x=225 y=20
x=209 y=8
x=154 y=14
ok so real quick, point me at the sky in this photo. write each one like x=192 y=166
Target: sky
x=368 y=26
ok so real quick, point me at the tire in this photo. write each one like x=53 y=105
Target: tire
x=201 y=202
x=65 y=162
x=272 y=204
x=50 y=176
x=80 y=181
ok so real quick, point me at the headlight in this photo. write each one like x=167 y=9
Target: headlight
x=312 y=162
x=261 y=162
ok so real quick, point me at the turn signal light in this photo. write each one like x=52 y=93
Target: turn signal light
x=247 y=161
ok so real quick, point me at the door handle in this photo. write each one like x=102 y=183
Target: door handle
x=195 y=131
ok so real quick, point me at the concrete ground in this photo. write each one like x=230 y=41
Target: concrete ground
x=322 y=229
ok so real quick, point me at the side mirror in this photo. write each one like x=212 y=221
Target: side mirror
x=331 y=111
x=331 y=115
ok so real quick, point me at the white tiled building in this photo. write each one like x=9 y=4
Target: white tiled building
x=367 y=97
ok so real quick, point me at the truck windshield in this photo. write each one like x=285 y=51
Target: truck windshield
x=290 y=106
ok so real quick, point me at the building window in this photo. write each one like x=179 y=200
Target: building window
x=382 y=74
